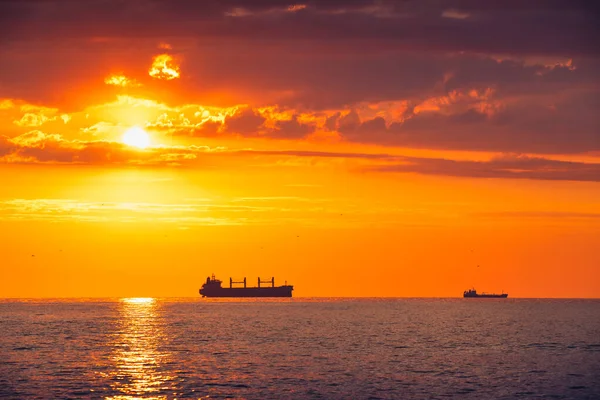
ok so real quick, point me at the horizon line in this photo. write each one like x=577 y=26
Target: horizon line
x=270 y=298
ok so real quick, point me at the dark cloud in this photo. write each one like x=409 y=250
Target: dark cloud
x=291 y=129
x=6 y=146
x=538 y=214
x=546 y=27
x=352 y=127
x=245 y=122
x=208 y=128
x=325 y=60
x=536 y=55
x=248 y=122
x=349 y=122
x=570 y=125
x=332 y=121
x=323 y=154
x=506 y=167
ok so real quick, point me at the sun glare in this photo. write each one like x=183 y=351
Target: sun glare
x=136 y=137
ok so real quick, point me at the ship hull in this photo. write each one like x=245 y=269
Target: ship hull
x=281 y=291
x=485 y=296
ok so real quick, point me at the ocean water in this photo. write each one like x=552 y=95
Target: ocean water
x=300 y=349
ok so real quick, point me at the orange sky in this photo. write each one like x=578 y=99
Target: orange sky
x=424 y=186
x=137 y=231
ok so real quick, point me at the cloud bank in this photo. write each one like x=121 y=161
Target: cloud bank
x=456 y=75
x=37 y=147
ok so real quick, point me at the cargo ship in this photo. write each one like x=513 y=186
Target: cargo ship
x=213 y=288
x=472 y=293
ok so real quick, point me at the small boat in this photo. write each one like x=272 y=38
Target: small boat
x=472 y=293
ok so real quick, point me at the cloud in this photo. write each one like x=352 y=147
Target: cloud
x=320 y=154
x=504 y=167
x=361 y=52
x=508 y=167
x=246 y=121
x=39 y=147
x=473 y=119
x=291 y=129
x=36 y=139
x=164 y=67
x=6 y=104
x=479 y=120
x=121 y=80
x=58 y=210
x=296 y=7
x=30 y=120
x=538 y=214
x=7 y=147
x=207 y=212
x=404 y=49
x=241 y=120
x=99 y=128
x=516 y=29
x=35 y=115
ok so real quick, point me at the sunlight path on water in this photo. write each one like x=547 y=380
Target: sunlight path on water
x=137 y=355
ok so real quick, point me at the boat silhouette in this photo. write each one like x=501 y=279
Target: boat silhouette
x=213 y=288
x=472 y=293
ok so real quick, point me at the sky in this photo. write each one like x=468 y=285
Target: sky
x=348 y=147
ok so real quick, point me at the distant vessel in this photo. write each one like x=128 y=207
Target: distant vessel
x=213 y=288
x=473 y=293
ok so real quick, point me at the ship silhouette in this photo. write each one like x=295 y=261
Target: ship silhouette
x=213 y=288
x=472 y=293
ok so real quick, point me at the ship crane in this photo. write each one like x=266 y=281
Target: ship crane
x=231 y=282
x=272 y=281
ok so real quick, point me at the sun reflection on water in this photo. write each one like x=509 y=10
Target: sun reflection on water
x=137 y=357
x=138 y=300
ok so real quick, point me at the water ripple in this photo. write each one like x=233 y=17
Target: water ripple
x=334 y=349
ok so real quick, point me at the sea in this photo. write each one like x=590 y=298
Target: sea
x=300 y=348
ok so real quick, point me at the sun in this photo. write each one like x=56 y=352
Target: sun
x=136 y=137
